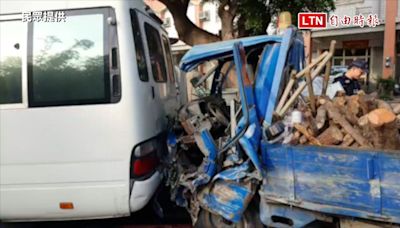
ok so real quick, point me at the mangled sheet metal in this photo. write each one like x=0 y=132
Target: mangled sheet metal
x=210 y=167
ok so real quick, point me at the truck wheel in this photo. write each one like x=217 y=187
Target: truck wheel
x=250 y=219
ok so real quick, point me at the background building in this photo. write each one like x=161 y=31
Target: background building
x=377 y=45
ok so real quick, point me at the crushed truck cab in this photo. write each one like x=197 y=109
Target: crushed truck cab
x=227 y=154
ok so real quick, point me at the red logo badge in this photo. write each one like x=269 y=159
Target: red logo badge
x=311 y=20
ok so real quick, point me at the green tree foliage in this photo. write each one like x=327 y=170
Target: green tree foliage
x=257 y=14
x=57 y=76
x=65 y=75
x=10 y=80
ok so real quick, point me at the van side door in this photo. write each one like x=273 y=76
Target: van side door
x=157 y=67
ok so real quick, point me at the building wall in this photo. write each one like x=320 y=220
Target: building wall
x=191 y=12
x=212 y=25
x=356 y=7
x=171 y=25
x=375 y=51
x=376 y=63
x=374 y=35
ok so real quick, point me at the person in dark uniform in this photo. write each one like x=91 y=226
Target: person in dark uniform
x=349 y=79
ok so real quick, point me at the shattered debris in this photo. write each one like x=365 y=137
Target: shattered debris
x=198 y=165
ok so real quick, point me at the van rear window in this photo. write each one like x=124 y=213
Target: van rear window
x=69 y=60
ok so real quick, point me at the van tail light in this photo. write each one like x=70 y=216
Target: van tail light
x=144 y=166
x=145 y=158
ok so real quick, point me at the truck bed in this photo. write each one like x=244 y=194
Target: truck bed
x=349 y=182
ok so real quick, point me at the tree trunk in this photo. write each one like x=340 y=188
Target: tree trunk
x=227 y=12
x=188 y=32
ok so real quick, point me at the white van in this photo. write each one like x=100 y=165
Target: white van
x=83 y=88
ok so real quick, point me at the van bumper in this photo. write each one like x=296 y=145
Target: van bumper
x=143 y=190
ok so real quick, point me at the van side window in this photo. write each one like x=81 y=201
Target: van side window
x=69 y=62
x=156 y=53
x=11 y=33
x=167 y=50
x=140 y=56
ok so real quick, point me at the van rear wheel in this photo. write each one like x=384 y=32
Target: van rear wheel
x=250 y=219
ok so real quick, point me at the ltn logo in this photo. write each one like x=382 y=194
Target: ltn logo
x=311 y=20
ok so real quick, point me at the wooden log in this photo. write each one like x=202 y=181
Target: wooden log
x=396 y=108
x=304 y=131
x=312 y=65
x=380 y=128
x=383 y=104
x=298 y=91
x=367 y=102
x=328 y=68
x=355 y=145
x=343 y=131
x=309 y=122
x=331 y=136
x=352 y=109
x=295 y=138
x=380 y=116
x=347 y=140
x=361 y=93
x=363 y=121
x=335 y=115
x=311 y=95
x=383 y=137
x=339 y=101
x=353 y=104
x=369 y=132
x=391 y=136
x=341 y=93
x=303 y=140
x=322 y=100
x=287 y=90
x=320 y=119
x=351 y=117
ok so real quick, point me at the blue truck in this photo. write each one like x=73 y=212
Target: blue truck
x=226 y=179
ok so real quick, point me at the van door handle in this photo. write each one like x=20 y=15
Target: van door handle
x=152 y=92
x=114 y=63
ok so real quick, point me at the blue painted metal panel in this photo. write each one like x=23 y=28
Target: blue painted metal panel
x=389 y=170
x=357 y=183
x=296 y=55
x=228 y=199
x=250 y=141
x=199 y=53
x=277 y=76
x=341 y=193
x=209 y=166
x=266 y=71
